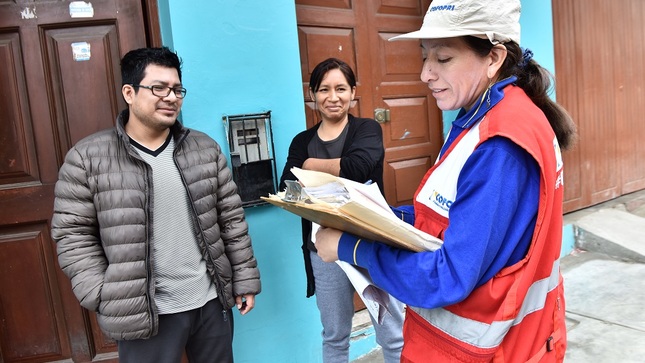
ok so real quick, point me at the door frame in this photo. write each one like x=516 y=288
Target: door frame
x=152 y=23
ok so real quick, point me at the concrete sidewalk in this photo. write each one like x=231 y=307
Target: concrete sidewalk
x=604 y=281
x=604 y=284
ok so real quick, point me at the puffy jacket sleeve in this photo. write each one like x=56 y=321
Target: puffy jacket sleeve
x=234 y=233
x=75 y=230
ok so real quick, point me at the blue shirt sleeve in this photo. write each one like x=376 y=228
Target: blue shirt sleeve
x=404 y=212
x=491 y=225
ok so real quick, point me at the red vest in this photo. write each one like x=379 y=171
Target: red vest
x=518 y=315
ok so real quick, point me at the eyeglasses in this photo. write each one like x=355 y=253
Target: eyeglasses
x=163 y=91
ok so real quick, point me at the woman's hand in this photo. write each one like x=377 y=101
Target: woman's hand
x=327 y=243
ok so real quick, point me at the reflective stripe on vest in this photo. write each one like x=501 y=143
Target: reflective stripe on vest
x=482 y=335
x=440 y=189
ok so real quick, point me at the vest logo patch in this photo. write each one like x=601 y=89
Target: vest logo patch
x=440 y=201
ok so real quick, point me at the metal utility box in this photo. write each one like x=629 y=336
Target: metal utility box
x=250 y=140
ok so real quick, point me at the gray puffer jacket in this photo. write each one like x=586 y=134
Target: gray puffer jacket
x=103 y=220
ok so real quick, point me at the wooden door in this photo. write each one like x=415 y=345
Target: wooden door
x=603 y=91
x=60 y=81
x=387 y=78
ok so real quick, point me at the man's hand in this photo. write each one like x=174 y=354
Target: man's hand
x=327 y=243
x=245 y=303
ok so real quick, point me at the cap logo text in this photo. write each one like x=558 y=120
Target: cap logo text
x=442 y=7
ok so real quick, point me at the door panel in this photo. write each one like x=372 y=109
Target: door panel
x=81 y=90
x=30 y=292
x=387 y=77
x=604 y=93
x=17 y=145
x=413 y=137
x=61 y=82
x=629 y=73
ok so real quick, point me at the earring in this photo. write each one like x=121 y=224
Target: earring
x=488 y=91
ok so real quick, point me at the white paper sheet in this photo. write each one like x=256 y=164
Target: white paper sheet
x=375 y=299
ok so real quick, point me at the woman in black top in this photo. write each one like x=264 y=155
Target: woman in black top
x=352 y=148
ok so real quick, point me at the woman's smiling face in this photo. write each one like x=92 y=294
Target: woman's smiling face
x=455 y=74
x=334 y=96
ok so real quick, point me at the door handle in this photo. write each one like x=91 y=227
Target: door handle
x=382 y=115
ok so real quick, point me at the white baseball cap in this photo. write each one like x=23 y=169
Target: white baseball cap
x=497 y=20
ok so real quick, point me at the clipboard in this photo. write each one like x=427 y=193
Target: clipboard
x=365 y=214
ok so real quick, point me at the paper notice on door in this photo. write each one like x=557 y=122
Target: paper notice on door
x=81 y=9
x=81 y=51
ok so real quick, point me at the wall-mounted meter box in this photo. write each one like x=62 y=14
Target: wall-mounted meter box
x=250 y=141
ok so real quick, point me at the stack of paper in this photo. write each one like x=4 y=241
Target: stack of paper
x=357 y=208
x=353 y=207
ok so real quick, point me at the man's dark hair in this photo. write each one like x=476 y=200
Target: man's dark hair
x=134 y=63
x=327 y=65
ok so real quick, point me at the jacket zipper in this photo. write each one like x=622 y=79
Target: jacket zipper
x=198 y=227
x=149 y=288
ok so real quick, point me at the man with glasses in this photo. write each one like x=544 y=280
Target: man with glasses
x=149 y=226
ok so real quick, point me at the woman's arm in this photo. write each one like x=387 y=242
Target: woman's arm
x=365 y=153
x=491 y=225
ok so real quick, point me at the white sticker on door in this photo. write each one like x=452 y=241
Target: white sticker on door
x=81 y=51
x=28 y=13
x=81 y=9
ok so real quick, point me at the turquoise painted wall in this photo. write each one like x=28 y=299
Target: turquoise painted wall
x=242 y=56
x=537 y=32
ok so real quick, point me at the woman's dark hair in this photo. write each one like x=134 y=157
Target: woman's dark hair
x=536 y=82
x=327 y=65
x=134 y=63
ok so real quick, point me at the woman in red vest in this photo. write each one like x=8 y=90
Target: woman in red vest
x=493 y=291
